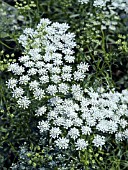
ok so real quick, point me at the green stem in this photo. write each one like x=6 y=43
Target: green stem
x=5 y=45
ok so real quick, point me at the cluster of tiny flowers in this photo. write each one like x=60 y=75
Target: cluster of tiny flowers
x=47 y=73
x=114 y=4
x=48 y=56
x=109 y=10
x=99 y=113
x=83 y=1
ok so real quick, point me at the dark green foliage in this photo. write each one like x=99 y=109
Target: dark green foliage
x=105 y=51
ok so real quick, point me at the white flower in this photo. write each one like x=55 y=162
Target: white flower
x=23 y=40
x=79 y=76
x=43 y=126
x=100 y=3
x=44 y=79
x=48 y=66
x=86 y=130
x=17 y=92
x=29 y=64
x=98 y=141
x=66 y=77
x=125 y=134
x=107 y=126
x=11 y=83
x=32 y=71
x=39 y=64
x=77 y=122
x=34 y=53
x=52 y=89
x=33 y=85
x=74 y=133
x=68 y=123
x=24 y=79
x=52 y=115
x=16 y=69
x=123 y=123
x=55 y=132
x=43 y=22
x=119 y=136
x=77 y=92
x=43 y=71
x=55 y=101
x=83 y=1
x=71 y=113
x=59 y=121
x=63 y=88
x=83 y=67
x=81 y=144
x=41 y=111
x=68 y=58
x=24 y=58
x=38 y=93
x=55 y=78
x=66 y=69
x=23 y=102
x=62 y=143
x=57 y=58
x=28 y=31
x=55 y=70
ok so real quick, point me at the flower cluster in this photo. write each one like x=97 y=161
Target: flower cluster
x=108 y=11
x=46 y=75
x=113 y=4
x=98 y=113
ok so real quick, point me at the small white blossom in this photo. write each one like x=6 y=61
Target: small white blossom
x=83 y=67
x=38 y=93
x=23 y=102
x=77 y=122
x=83 y=1
x=74 y=133
x=34 y=53
x=81 y=144
x=44 y=79
x=16 y=69
x=63 y=88
x=23 y=40
x=86 y=130
x=119 y=136
x=24 y=58
x=52 y=115
x=33 y=85
x=24 y=79
x=55 y=132
x=11 y=83
x=43 y=126
x=98 y=141
x=59 y=121
x=79 y=76
x=29 y=64
x=41 y=111
x=68 y=123
x=52 y=89
x=17 y=92
x=39 y=64
x=125 y=134
x=62 y=143
x=32 y=71
x=28 y=31
x=66 y=77
x=66 y=69
x=55 y=78
x=69 y=59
